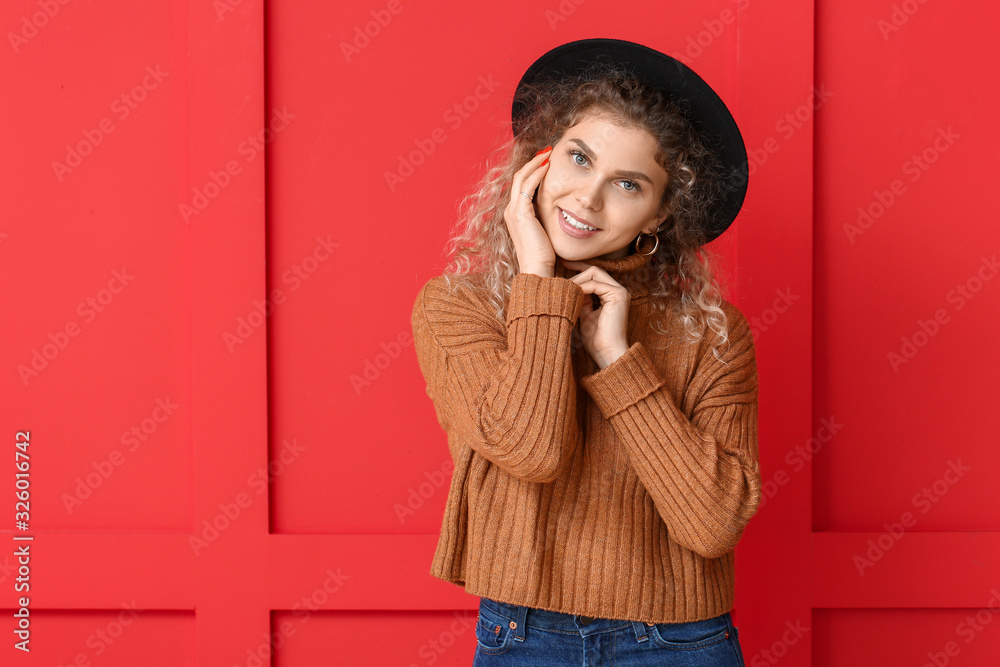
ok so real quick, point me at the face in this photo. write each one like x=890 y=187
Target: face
x=604 y=176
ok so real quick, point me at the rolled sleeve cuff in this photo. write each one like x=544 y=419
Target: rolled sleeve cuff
x=624 y=382
x=532 y=294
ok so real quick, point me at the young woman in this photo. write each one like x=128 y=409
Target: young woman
x=598 y=393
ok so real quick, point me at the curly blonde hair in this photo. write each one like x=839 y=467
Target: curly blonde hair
x=680 y=275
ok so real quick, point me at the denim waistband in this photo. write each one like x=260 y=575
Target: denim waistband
x=577 y=623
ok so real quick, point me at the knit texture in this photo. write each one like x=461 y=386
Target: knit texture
x=615 y=493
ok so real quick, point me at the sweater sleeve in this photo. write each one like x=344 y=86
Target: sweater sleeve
x=509 y=392
x=702 y=473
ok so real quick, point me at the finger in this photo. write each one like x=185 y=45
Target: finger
x=522 y=183
x=544 y=154
x=531 y=168
x=591 y=272
x=607 y=292
x=586 y=316
x=531 y=182
x=531 y=165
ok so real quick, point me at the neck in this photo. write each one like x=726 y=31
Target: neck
x=628 y=270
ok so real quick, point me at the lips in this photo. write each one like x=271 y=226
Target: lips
x=578 y=218
x=574 y=232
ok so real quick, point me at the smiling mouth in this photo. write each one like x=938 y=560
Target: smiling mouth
x=576 y=223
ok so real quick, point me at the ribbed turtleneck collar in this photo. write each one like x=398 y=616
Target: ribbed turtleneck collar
x=626 y=270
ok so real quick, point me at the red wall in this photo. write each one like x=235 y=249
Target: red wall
x=217 y=216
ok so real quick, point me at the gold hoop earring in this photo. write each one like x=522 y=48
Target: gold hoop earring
x=639 y=238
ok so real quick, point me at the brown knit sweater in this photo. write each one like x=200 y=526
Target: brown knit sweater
x=614 y=493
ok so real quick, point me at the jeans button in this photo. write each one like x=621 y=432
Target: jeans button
x=585 y=620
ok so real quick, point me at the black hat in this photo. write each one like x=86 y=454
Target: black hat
x=704 y=108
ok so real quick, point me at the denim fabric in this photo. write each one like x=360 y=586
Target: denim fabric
x=508 y=634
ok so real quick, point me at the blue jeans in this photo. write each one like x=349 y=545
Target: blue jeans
x=508 y=634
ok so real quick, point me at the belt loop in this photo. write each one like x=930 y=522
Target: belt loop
x=521 y=615
x=640 y=631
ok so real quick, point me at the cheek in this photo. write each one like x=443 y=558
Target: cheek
x=553 y=182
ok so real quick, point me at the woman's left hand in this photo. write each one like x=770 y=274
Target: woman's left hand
x=604 y=330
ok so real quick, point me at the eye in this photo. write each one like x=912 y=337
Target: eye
x=574 y=154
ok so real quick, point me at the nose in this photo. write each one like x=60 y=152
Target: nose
x=588 y=194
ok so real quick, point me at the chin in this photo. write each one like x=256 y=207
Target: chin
x=580 y=253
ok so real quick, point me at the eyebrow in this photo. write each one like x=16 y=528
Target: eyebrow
x=635 y=175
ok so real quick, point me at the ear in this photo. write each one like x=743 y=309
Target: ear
x=662 y=215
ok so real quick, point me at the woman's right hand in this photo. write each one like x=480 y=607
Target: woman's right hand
x=531 y=243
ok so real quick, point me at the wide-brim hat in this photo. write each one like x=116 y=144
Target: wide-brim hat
x=703 y=107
